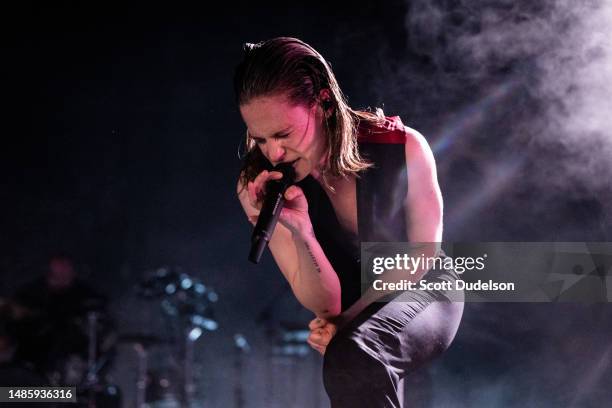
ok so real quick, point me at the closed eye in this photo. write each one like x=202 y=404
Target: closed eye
x=261 y=140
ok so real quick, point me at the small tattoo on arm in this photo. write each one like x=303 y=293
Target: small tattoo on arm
x=312 y=257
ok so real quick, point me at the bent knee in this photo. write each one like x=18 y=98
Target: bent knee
x=452 y=313
x=433 y=330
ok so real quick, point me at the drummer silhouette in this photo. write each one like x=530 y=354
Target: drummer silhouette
x=53 y=333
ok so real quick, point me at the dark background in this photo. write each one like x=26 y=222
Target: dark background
x=121 y=142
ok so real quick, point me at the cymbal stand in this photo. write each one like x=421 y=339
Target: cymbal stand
x=92 y=373
x=241 y=347
x=193 y=334
x=141 y=384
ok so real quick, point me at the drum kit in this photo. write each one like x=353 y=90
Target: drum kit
x=187 y=304
x=37 y=348
x=44 y=351
x=89 y=345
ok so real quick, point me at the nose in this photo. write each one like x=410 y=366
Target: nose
x=276 y=151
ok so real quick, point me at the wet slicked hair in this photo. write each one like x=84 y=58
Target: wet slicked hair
x=289 y=67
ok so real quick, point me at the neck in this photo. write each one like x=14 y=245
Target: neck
x=317 y=172
x=334 y=184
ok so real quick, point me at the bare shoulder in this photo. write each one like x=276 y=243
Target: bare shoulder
x=424 y=199
x=418 y=152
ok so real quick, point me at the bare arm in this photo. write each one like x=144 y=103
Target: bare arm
x=297 y=251
x=423 y=205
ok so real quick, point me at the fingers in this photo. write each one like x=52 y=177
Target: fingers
x=317 y=323
x=256 y=187
x=321 y=333
x=292 y=192
x=275 y=175
x=295 y=199
x=332 y=329
x=319 y=341
x=252 y=193
x=321 y=337
x=317 y=347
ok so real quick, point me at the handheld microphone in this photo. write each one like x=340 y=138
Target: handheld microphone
x=270 y=211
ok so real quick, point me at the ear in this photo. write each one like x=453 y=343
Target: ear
x=326 y=101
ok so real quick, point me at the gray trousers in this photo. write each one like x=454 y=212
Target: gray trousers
x=365 y=363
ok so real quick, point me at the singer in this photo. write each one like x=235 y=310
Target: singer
x=359 y=176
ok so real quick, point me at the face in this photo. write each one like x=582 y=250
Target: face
x=287 y=133
x=61 y=274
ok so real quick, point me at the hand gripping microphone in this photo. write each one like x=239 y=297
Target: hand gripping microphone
x=270 y=210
